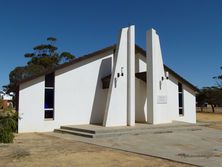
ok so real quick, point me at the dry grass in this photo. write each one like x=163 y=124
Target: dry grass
x=36 y=149
x=214 y=118
x=209 y=117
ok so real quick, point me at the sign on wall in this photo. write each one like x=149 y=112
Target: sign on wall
x=161 y=99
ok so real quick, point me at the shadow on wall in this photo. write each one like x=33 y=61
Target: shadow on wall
x=140 y=115
x=100 y=97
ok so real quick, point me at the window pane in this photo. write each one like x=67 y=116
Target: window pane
x=49 y=114
x=49 y=98
x=181 y=111
x=180 y=100
x=49 y=80
x=180 y=88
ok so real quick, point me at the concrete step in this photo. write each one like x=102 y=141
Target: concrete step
x=78 y=129
x=84 y=132
x=73 y=132
x=89 y=135
x=102 y=130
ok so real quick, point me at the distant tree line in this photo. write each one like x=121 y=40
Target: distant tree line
x=211 y=95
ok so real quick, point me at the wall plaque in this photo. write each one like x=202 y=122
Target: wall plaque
x=161 y=99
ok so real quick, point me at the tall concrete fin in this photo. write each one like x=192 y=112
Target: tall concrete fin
x=131 y=77
x=157 y=107
x=120 y=107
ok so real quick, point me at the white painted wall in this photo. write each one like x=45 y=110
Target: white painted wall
x=116 y=107
x=31 y=108
x=140 y=63
x=85 y=99
x=81 y=86
x=189 y=105
x=157 y=111
x=120 y=107
x=79 y=97
x=189 y=100
x=131 y=76
x=173 y=103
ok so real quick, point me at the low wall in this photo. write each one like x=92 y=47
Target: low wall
x=209 y=109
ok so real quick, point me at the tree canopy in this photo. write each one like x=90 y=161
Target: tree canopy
x=218 y=79
x=211 y=96
x=44 y=57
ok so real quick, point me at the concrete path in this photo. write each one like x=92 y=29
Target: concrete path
x=199 y=145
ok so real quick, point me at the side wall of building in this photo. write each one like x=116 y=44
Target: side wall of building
x=189 y=98
x=79 y=97
x=31 y=107
x=189 y=102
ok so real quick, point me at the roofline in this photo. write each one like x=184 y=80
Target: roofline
x=180 y=78
x=76 y=60
x=94 y=54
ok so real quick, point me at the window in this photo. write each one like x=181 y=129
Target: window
x=180 y=97
x=49 y=96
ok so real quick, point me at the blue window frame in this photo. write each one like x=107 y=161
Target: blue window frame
x=49 y=96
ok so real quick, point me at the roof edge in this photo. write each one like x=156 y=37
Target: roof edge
x=76 y=60
x=106 y=49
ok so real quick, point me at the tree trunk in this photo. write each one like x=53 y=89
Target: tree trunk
x=16 y=100
x=212 y=106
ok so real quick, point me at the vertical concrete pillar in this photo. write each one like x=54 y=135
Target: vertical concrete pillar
x=157 y=109
x=150 y=75
x=131 y=77
x=120 y=106
x=116 y=105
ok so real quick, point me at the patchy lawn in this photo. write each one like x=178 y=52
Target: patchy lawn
x=40 y=149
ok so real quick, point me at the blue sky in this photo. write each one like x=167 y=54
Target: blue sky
x=190 y=30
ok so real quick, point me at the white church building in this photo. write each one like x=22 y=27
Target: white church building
x=116 y=86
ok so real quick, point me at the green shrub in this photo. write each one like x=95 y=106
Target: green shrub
x=8 y=125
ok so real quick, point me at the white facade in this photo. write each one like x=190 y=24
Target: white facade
x=80 y=84
x=121 y=95
x=79 y=97
x=157 y=83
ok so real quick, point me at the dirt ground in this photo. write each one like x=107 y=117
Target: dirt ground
x=214 y=118
x=40 y=149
